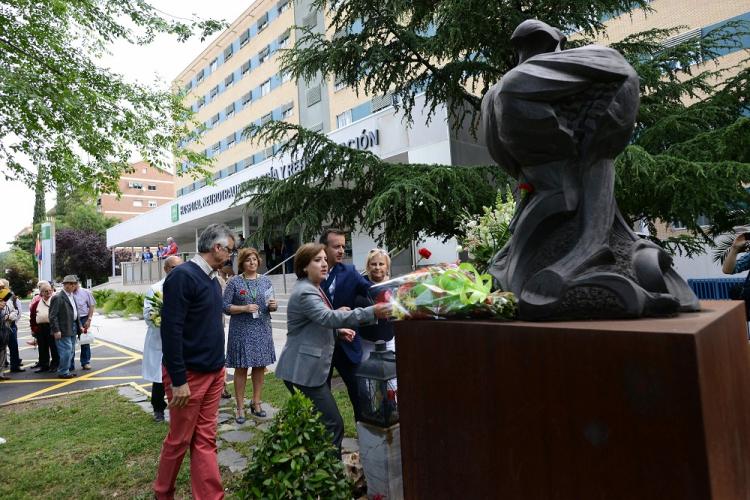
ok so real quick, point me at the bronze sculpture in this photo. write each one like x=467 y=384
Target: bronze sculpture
x=556 y=122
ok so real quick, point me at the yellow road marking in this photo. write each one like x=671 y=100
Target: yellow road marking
x=118 y=377
x=133 y=354
x=107 y=358
x=72 y=381
x=34 y=381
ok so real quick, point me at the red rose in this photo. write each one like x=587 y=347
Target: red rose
x=526 y=188
x=424 y=253
x=243 y=292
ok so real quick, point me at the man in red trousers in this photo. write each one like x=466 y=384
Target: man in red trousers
x=192 y=335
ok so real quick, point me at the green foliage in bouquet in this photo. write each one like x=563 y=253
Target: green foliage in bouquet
x=484 y=235
x=296 y=459
x=157 y=301
x=448 y=292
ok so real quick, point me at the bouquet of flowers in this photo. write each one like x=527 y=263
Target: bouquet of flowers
x=482 y=236
x=446 y=291
x=156 y=301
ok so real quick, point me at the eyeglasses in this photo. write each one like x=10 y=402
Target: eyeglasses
x=226 y=248
x=378 y=251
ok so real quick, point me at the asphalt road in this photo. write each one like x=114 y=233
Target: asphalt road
x=111 y=364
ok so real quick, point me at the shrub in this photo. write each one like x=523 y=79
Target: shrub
x=125 y=302
x=102 y=295
x=296 y=459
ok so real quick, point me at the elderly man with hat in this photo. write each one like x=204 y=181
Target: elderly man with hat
x=65 y=325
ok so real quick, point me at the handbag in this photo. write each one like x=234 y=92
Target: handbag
x=86 y=338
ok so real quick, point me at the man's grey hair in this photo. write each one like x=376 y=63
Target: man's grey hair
x=213 y=234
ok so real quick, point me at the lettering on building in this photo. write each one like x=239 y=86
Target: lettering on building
x=210 y=199
x=364 y=141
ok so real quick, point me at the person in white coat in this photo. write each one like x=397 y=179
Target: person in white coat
x=152 y=344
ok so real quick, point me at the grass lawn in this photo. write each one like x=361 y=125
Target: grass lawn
x=99 y=445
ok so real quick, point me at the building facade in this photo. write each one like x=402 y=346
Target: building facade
x=143 y=189
x=236 y=81
x=696 y=18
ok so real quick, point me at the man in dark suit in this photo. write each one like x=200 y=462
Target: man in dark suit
x=64 y=325
x=343 y=284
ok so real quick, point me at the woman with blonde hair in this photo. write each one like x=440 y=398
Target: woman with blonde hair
x=249 y=300
x=378 y=269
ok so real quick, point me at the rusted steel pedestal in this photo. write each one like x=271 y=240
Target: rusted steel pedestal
x=646 y=409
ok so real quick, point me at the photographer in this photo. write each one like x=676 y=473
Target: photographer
x=733 y=265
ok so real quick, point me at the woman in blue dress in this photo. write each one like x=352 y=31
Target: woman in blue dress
x=249 y=300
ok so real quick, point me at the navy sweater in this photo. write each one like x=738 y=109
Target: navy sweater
x=192 y=323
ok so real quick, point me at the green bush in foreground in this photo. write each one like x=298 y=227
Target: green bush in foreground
x=296 y=459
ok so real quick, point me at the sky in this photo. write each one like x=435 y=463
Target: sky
x=161 y=61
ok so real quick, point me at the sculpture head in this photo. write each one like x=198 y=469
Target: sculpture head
x=533 y=37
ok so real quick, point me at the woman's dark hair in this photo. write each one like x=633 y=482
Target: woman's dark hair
x=304 y=255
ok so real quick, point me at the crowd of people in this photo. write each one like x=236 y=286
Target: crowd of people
x=56 y=321
x=162 y=251
x=185 y=356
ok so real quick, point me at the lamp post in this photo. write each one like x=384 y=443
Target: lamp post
x=378 y=428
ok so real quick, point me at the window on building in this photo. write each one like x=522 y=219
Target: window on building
x=244 y=38
x=344 y=119
x=262 y=22
x=283 y=6
x=285 y=76
x=229 y=80
x=228 y=53
x=266 y=118
x=216 y=148
x=215 y=119
x=214 y=92
x=144 y=170
x=310 y=20
x=200 y=75
x=247 y=98
x=152 y=204
x=152 y=187
x=313 y=95
x=339 y=84
x=229 y=111
x=214 y=64
x=137 y=203
x=135 y=185
x=188 y=86
x=287 y=111
x=245 y=68
x=263 y=55
x=230 y=141
x=201 y=101
x=265 y=88
x=284 y=38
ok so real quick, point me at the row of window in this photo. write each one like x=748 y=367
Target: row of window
x=248 y=98
x=151 y=203
x=232 y=169
x=241 y=72
x=281 y=113
x=139 y=185
x=260 y=25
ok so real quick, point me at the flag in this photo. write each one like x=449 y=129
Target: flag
x=38 y=250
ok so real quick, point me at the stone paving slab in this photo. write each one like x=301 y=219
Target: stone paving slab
x=232 y=460
x=237 y=436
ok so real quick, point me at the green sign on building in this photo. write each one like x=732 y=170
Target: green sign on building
x=175 y=212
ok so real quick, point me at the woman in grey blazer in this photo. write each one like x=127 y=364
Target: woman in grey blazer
x=312 y=329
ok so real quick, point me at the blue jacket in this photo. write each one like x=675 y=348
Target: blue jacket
x=343 y=285
x=192 y=323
